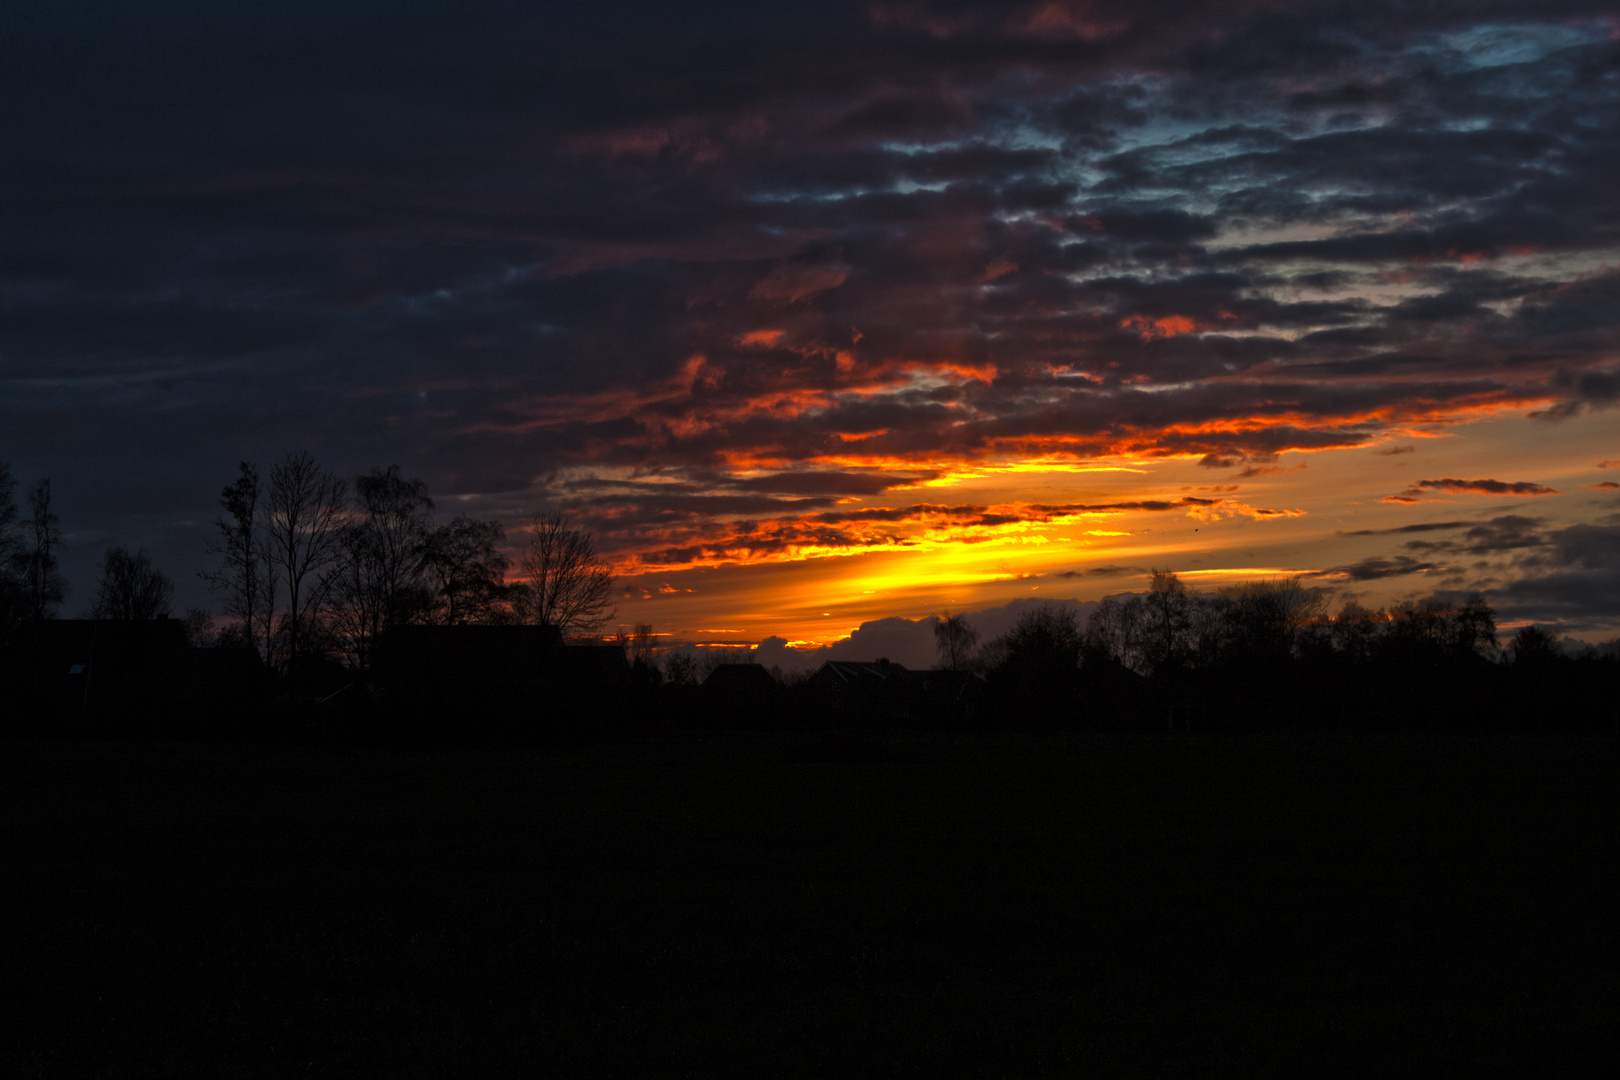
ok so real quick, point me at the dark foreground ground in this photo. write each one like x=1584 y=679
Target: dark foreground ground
x=785 y=905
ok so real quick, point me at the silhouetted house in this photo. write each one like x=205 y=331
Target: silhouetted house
x=740 y=695
x=882 y=692
x=497 y=681
x=859 y=691
x=122 y=676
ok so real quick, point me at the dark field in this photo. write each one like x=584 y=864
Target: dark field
x=781 y=905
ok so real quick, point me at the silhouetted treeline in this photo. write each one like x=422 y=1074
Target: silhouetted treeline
x=312 y=568
x=313 y=571
x=1267 y=656
x=1264 y=656
x=354 y=614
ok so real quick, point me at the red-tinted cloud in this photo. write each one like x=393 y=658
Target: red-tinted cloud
x=804 y=254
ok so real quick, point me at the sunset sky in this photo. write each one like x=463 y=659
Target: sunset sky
x=817 y=314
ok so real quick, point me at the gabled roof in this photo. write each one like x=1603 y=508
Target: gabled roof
x=483 y=638
x=731 y=677
x=852 y=671
x=601 y=659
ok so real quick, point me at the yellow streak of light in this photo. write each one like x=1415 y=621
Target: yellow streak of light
x=964 y=473
x=1246 y=572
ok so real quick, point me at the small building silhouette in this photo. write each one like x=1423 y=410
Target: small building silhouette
x=124 y=677
x=741 y=695
x=882 y=692
x=480 y=681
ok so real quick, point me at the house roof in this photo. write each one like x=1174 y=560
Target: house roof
x=850 y=671
x=480 y=637
x=739 y=677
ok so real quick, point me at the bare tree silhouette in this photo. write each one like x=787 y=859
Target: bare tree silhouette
x=955 y=639
x=377 y=580
x=44 y=585
x=201 y=633
x=1355 y=631
x=245 y=580
x=1267 y=619
x=466 y=570
x=1534 y=647
x=1169 y=620
x=131 y=587
x=637 y=645
x=714 y=658
x=12 y=550
x=681 y=668
x=303 y=532
x=565 y=584
x=1475 y=625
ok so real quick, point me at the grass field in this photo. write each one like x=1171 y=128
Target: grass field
x=777 y=905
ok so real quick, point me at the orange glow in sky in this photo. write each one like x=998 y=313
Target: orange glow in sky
x=1058 y=528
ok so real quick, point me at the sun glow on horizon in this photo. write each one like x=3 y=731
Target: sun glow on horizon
x=1069 y=529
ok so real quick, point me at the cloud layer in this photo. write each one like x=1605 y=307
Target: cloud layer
x=735 y=284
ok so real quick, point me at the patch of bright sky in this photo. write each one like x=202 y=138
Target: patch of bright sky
x=1503 y=45
x=902 y=186
x=912 y=149
x=622 y=476
x=917 y=380
x=1173 y=141
x=1556 y=267
x=1374 y=288
x=1247 y=232
x=1029 y=137
x=1365 y=287
x=795 y=196
x=1162 y=128
x=906 y=186
x=1194 y=149
x=1167 y=388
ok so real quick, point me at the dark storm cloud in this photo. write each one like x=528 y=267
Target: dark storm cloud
x=1511 y=532
x=1427 y=526
x=1569 y=577
x=1578 y=584
x=1588 y=389
x=789 y=256
x=1148 y=505
x=1106 y=571
x=1419 y=491
x=1374 y=568
x=1481 y=487
x=1523 y=540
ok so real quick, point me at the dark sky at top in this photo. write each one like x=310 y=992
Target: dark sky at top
x=700 y=272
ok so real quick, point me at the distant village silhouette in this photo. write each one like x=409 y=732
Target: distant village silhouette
x=358 y=619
